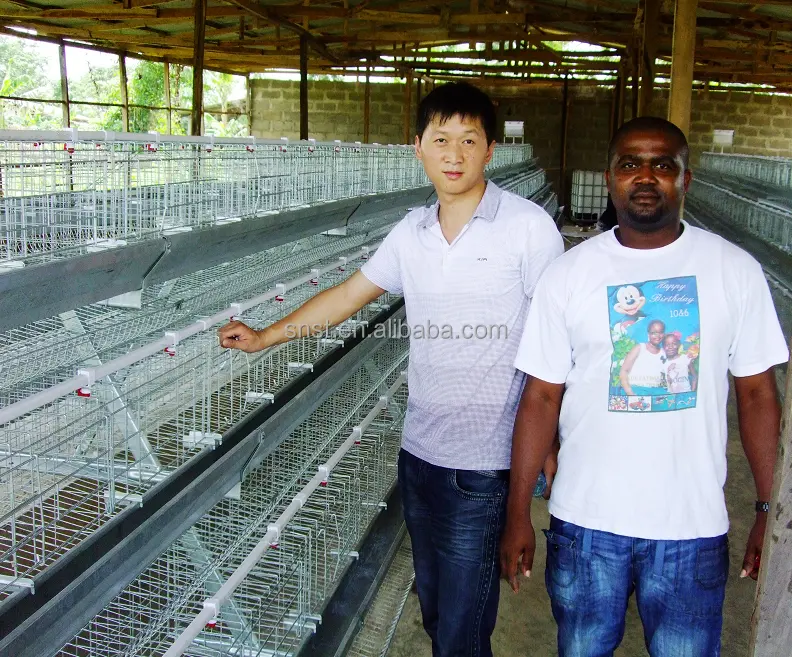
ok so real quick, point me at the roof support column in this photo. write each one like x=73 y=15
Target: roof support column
x=771 y=632
x=64 y=80
x=166 y=70
x=196 y=116
x=303 y=87
x=682 y=59
x=651 y=26
x=367 y=106
x=407 y=106
x=564 y=134
x=122 y=71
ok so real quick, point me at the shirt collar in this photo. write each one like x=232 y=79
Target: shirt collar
x=487 y=208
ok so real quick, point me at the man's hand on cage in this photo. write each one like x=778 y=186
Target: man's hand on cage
x=236 y=335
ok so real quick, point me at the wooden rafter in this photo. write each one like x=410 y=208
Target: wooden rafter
x=740 y=33
x=263 y=12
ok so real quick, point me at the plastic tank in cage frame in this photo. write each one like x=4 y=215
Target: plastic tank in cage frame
x=589 y=196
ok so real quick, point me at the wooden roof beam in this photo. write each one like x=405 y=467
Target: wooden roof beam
x=106 y=12
x=261 y=11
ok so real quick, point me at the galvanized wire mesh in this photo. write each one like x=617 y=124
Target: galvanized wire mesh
x=280 y=601
x=770 y=221
x=380 y=621
x=68 y=467
x=64 y=192
x=770 y=169
x=101 y=331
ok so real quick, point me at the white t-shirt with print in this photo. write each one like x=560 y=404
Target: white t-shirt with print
x=651 y=465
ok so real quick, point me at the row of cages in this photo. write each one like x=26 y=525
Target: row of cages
x=774 y=170
x=70 y=465
x=769 y=221
x=279 y=602
x=88 y=452
x=43 y=353
x=63 y=189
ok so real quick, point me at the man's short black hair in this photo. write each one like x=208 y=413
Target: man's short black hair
x=650 y=124
x=458 y=98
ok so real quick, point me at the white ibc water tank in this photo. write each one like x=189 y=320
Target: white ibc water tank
x=589 y=196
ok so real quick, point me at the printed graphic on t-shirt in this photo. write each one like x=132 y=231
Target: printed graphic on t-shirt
x=654 y=328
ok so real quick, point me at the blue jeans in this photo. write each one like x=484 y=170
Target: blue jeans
x=679 y=588
x=455 y=519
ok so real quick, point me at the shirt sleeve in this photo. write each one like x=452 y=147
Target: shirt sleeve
x=545 y=351
x=384 y=267
x=544 y=245
x=758 y=342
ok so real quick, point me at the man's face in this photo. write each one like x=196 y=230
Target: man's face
x=454 y=154
x=647 y=180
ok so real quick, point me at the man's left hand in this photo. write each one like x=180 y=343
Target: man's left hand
x=753 y=551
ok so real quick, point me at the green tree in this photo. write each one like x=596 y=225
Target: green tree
x=147 y=87
x=20 y=75
x=218 y=89
x=99 y=84
x=181 y=78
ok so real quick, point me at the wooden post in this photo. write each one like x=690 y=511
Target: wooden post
x=249 y=97
x=429 y=64
x=303 y=87
x=407 y=106
x=615 y=103
x=169 y=125
x=367 y=106
x=196 y=116
x=636 y=80
x=651 y=26
x=124 y=92
x=64 y=80
x=564 y=134
x=682 y=59
x=622 y=92
x=771 y=631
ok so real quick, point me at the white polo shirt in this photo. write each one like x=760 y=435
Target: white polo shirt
x=466 y=304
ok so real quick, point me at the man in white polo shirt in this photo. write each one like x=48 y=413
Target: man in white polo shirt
x=637 y=505
x=466 y=265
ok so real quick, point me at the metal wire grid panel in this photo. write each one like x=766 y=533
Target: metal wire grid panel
x=772 y=223
x=280 y=601
x=65 y=192
x=379 y=624
x=49 y=349
x=527 y=186
x=774 y=170
x=589 y=196
x=68 y=467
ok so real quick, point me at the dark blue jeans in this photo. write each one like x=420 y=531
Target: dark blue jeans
x=455 y=519
x=679 y=587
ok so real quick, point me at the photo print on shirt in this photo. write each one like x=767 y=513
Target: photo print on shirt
x=655 y=331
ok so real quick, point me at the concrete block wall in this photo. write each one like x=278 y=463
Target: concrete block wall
x=335 y=110
x=541 y=109
x=762 y=123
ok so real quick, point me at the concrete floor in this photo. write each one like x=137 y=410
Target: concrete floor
x=525 y=625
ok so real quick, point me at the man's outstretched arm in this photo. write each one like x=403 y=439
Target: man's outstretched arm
x=534 y=432
x=759 y=415
x=326 y=309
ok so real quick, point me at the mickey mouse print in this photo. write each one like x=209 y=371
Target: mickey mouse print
x=655 y=331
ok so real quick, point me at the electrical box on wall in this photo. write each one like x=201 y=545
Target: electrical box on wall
x=513 y=131
x=722 y=138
